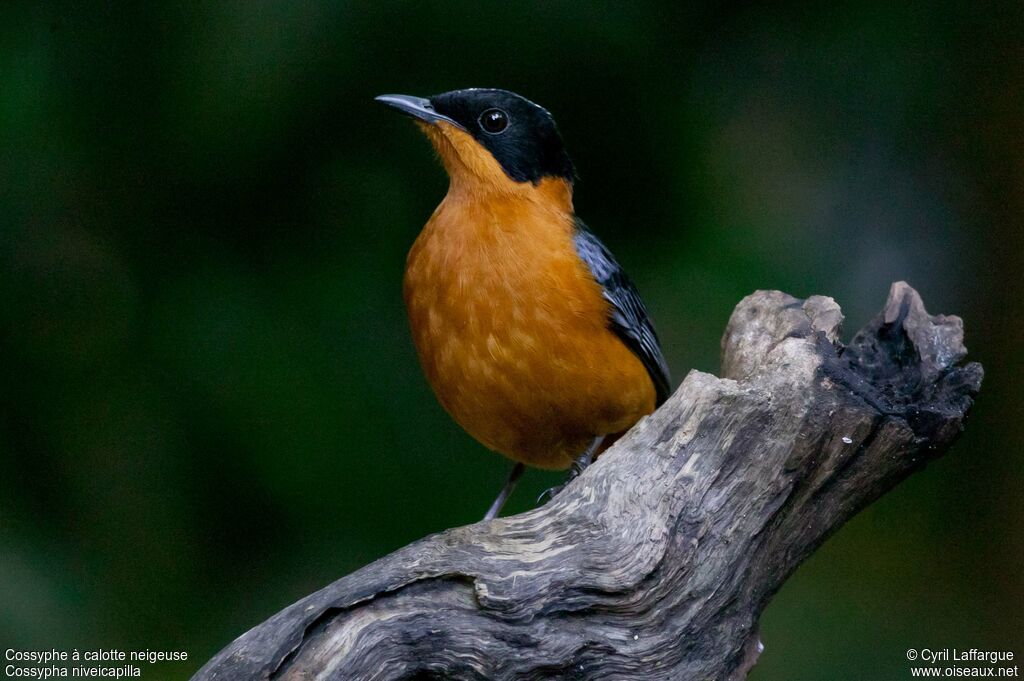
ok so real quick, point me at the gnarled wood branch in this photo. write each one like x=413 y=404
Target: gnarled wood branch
x=657 y=562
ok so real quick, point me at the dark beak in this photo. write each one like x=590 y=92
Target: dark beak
x=417 y=107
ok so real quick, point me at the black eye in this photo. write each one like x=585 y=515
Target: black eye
x=494 y=121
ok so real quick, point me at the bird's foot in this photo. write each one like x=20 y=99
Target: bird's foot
x=550 y=493
x=575 y=470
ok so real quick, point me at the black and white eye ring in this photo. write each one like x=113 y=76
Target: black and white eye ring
x=494 y=121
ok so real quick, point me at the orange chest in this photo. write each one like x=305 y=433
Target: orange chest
x=504 y=271
x=512 y=331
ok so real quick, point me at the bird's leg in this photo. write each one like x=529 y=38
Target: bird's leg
x=577 y=467
x=585 y=459
x=506 y=491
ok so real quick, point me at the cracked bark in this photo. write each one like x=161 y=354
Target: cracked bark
x=657 y=562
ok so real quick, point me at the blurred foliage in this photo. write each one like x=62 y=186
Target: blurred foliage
x=210 y=402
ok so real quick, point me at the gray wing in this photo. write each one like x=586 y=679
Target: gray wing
x=629 y=319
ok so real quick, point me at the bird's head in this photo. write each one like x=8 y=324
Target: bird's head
x=490 y=139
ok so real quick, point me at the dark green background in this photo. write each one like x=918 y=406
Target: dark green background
x=210 y=401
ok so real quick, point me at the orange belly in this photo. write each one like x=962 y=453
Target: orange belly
x=512 y=332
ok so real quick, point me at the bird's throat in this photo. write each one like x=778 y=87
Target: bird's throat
x=475 y=175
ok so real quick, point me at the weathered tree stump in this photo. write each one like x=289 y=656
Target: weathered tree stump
x=657 y=562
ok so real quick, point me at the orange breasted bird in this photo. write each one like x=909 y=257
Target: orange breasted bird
x=530 y=333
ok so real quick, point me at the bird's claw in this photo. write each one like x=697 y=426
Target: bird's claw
x=549 y=494
x=575 y=470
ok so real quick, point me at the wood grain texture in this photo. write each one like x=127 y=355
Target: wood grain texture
x=657 y=562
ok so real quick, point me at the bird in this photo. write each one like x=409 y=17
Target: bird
x=529 y=331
